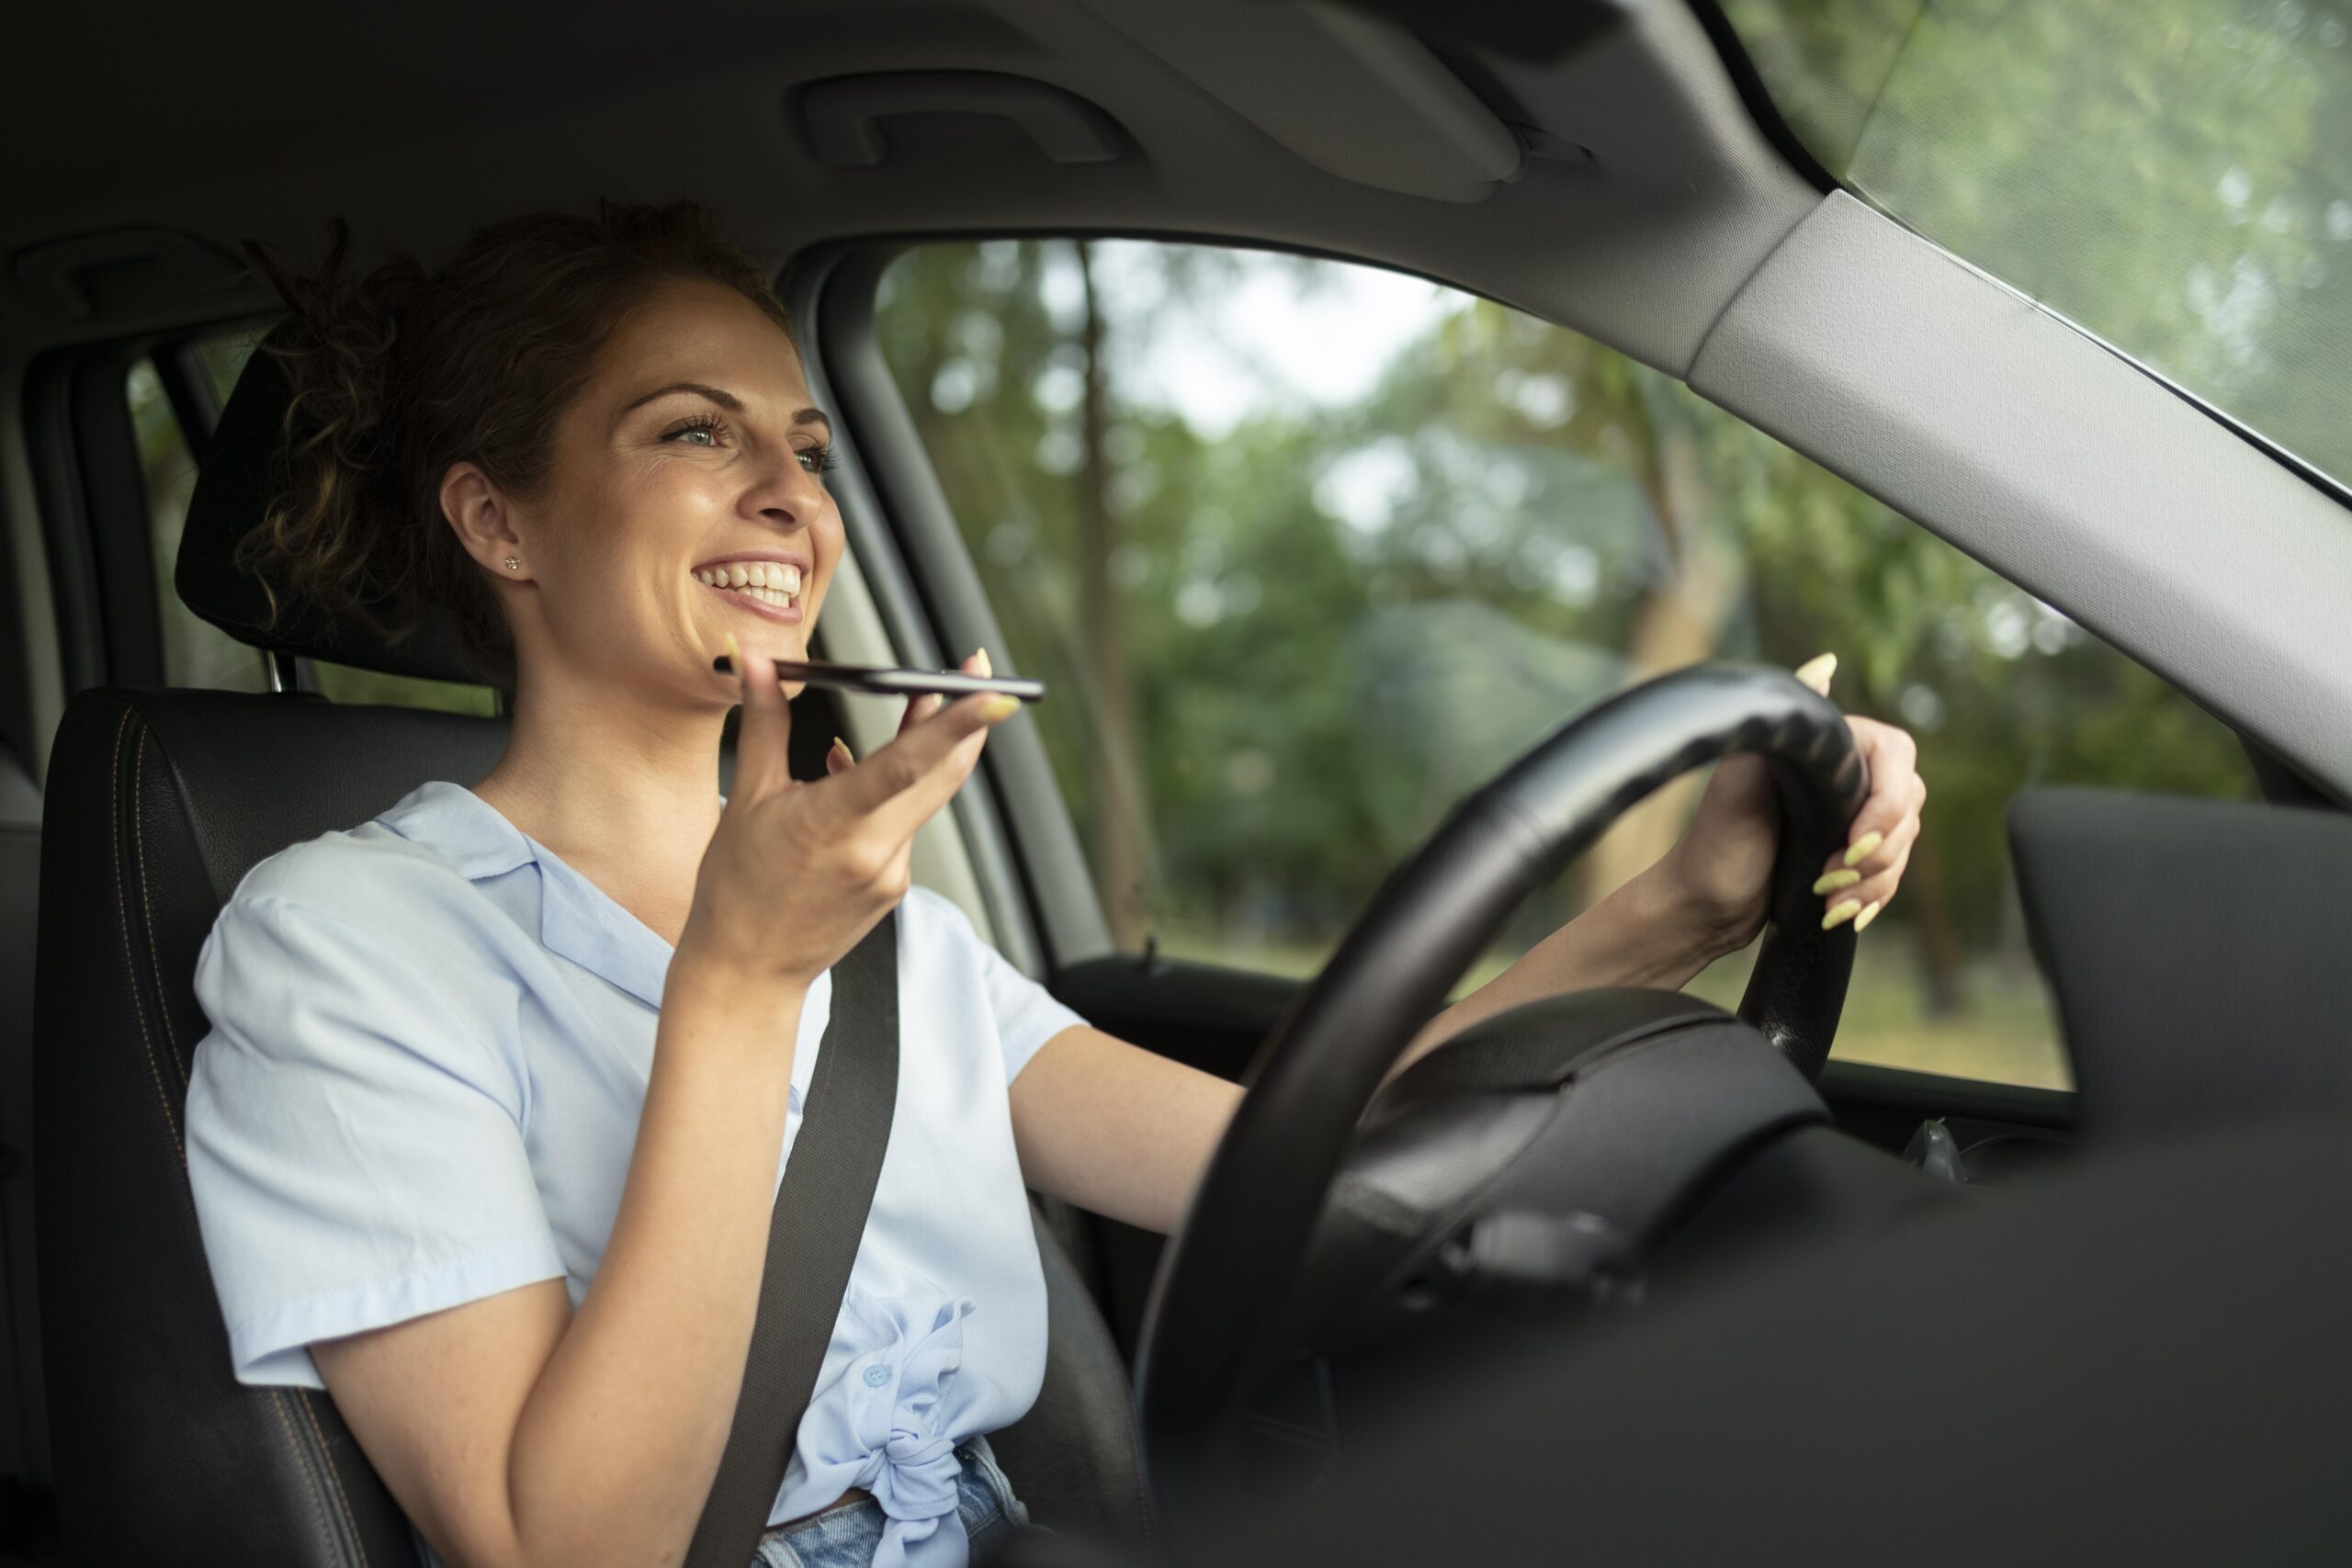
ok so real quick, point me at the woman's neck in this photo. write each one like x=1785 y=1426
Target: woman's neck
x=626 y=794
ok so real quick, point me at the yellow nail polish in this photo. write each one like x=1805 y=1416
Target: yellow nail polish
x=998 y=706
x=1864 y=847
x=1840 y=913
x=843 y=747
x=1868 y=915
x=1833 y=880
x=980 y=655
x=735 y=653
x=1816 y=672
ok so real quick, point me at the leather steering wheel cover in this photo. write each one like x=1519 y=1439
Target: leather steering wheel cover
x=1210 y=1333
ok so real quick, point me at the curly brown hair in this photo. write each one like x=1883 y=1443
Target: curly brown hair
x=398 y=374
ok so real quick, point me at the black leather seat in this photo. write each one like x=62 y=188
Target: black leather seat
x=24 y=1430
x=158 y=803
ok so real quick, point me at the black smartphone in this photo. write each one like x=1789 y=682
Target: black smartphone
x=887 y=682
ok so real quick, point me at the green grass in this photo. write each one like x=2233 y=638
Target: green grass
x=2004 y=1030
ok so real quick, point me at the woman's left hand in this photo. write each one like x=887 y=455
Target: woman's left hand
x=1719 y=877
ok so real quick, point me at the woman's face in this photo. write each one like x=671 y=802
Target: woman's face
x=691 y=459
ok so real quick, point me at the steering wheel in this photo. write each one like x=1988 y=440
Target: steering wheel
x=1211 y=1337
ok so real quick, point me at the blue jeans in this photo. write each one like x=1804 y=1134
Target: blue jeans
x=846 y=1534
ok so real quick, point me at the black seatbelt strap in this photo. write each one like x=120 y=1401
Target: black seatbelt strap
x=813 y=1237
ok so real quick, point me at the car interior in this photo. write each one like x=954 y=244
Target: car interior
x=1627 y=1273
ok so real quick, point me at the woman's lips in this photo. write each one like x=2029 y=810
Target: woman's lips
x=786 y=615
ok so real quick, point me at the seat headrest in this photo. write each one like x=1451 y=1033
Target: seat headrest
x=243 y=467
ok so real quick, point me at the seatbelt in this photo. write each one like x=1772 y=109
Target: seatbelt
x=820 y=1209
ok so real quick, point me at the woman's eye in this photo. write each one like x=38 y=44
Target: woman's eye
x=816 y=459
x=701 y=432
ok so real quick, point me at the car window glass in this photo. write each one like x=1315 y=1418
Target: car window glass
x=1308 y=550
x=196 y=652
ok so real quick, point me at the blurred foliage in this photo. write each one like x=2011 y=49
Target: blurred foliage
x=1336 y=618
x=344 y=684
x=196 y=652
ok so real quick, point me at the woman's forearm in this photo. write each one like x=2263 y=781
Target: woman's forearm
x=615 y=1451
x=1639 y=935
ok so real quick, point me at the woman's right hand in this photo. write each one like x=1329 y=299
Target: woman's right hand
x=798 y=873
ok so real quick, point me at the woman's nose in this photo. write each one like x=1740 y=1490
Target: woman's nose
x=789 y=497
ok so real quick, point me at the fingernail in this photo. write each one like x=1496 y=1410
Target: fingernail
x=1863 y=848
x=980 y=657
x=1868 y=915
x=843 y=747
x=1816 y=672
x=735 y=653
x=1833 y=880
x=998 y=706
x=1840 y=913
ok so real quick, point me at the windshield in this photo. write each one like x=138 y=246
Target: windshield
x=2173 y=175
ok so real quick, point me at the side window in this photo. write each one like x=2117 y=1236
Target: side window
x=1315 y=549
x=197 y=653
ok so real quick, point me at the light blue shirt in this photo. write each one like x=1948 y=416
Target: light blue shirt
x=428 y=1057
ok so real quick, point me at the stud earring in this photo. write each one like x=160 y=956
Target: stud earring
x=514 y=563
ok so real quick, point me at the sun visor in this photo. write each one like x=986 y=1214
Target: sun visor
x=1383 y=111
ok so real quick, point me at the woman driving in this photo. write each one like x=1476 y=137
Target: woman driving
x=487 y=1132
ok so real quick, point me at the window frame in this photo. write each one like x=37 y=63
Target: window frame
x=92 y=493
x=1015 y=825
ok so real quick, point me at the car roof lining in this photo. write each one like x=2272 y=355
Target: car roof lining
x=1678 y=172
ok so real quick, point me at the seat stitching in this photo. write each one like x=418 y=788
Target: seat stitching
x=294 y=1446
x=335 y=1479
x=139 y=839
x=277 y=1399
x=122 y=914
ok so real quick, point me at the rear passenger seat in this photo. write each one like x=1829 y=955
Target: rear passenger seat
x=24 y=1430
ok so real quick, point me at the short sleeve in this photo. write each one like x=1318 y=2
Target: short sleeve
x=1026 y=1014
x=355 y=1135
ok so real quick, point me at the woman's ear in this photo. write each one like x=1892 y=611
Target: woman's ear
x=478 y=511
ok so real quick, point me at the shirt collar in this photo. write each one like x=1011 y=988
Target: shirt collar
x=578 y=919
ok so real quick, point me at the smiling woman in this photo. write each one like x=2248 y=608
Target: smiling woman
x=486 y=1131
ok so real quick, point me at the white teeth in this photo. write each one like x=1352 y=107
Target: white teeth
x=776 y=583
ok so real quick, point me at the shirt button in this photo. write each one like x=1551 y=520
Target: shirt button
x=877 y=1376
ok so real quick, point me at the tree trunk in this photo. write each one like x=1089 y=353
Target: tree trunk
x=1677 y=623
x=1120 y=819
x=1942 y=958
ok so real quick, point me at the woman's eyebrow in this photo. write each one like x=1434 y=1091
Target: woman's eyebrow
x=724 y=398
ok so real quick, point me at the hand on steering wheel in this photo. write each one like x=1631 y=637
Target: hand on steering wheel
x=1721 y=870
